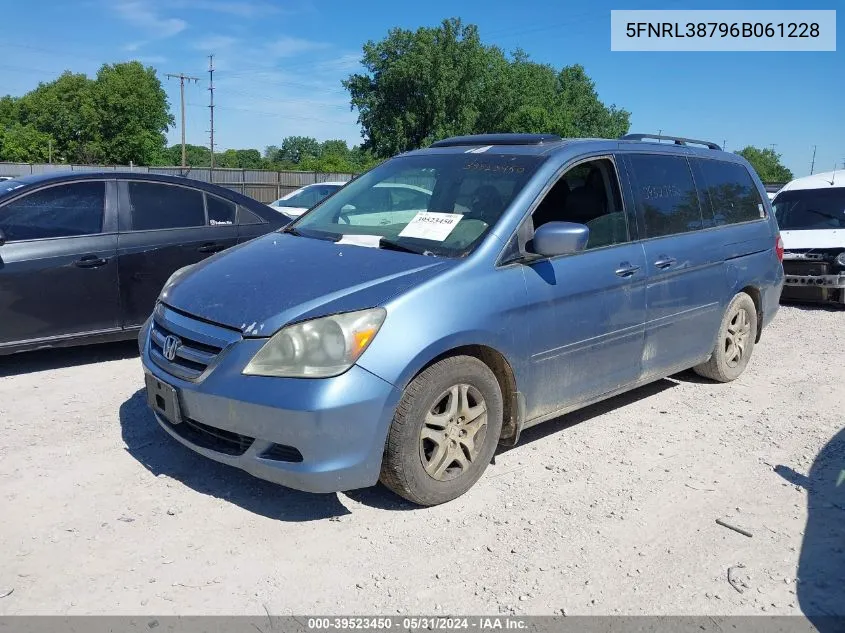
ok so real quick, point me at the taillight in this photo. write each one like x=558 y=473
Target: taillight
x=779 y=248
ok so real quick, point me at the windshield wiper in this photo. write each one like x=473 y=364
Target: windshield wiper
x=824 y=214
x=404 y=248
x=315 y=235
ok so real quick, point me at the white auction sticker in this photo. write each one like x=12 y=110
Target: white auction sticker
x=428 y=225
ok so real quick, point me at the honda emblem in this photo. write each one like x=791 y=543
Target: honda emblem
x=170 y=347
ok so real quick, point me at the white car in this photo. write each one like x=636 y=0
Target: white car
x=387 y=203
x=298 y=202
x=811 y=215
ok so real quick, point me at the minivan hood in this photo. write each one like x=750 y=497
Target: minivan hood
x=814 y=238
x=262 y=285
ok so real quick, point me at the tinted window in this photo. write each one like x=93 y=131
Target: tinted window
x=159 y=206
x=665 y=195
x=245 y=216
x=587 y=194
x=730 y=191
x=811 y=209
x=304 y=199
x=220 y=211
x=61 y=211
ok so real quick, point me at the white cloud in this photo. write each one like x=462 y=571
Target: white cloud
x=144 y=16
x=293 y=46
x=212 y=43
x=244 y=9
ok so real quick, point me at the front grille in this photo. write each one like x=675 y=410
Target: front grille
x=212 y=438
x=197 y=343
x=802 y=268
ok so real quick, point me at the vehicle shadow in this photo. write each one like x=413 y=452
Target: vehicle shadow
x=812 y=307
x=588 y=413
x=47 y=359
x=821 y=564
x=162 y=455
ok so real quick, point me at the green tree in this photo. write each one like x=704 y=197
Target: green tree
x=132 y=113
x=118 y=117
x=427 y=84
x=9 y=111
x=24 y=144
x=195 y=156
x=64 y=110
x=766 y=162
x=295 y=149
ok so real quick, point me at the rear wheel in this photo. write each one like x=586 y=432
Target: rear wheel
x=444 y=432
x=735 y=341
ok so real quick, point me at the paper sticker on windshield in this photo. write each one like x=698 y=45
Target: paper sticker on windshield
x=427 y=225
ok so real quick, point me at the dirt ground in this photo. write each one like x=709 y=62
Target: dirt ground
x=610 y=510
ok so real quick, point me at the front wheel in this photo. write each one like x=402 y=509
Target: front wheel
x=444 y=432
x=735 y=341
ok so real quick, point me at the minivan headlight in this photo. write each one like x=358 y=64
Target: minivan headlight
x=319 y=348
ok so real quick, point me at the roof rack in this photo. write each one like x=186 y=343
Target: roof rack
x=497 y=139
x=678 y=140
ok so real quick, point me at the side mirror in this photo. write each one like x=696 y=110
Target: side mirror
x=560 y=238
x=2 y=237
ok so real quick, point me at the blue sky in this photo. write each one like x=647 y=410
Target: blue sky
x=279 y=65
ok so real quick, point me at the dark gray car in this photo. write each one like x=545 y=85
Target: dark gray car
x=83 y=256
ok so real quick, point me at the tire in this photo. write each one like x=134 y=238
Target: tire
x=735 y=341
x=440 y=442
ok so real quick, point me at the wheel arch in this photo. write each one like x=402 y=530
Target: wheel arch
x=513 y=408
x=756 y=297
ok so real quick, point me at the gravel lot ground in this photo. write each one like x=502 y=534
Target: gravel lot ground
x=608 y=510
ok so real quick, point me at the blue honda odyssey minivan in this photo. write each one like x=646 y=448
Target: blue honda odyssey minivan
x=441 y=303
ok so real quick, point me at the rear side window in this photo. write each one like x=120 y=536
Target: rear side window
x=159 y=206
x=730 y=191
x=60 y=211
x=665 y=194
x=220 y=211
x=245 y=216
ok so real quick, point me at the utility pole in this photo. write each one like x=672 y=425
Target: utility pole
x=50 y=150
x=182 y=77
x=211 y=104
x=725 y=145
x=773 y=146
x=813 y=163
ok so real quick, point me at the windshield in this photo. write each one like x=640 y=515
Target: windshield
x=307 y=197
x=806 y=209
x=437 y=204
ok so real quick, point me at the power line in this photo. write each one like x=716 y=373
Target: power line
x=282 y=83
x=308 y=102
x=274 y=114
x=182 y=77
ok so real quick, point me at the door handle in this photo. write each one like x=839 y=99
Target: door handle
x=626 y=270
x=90 y=261
x=211 y=247
x=664 y=262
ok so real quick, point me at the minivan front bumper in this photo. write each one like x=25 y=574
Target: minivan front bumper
x=316 y=435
